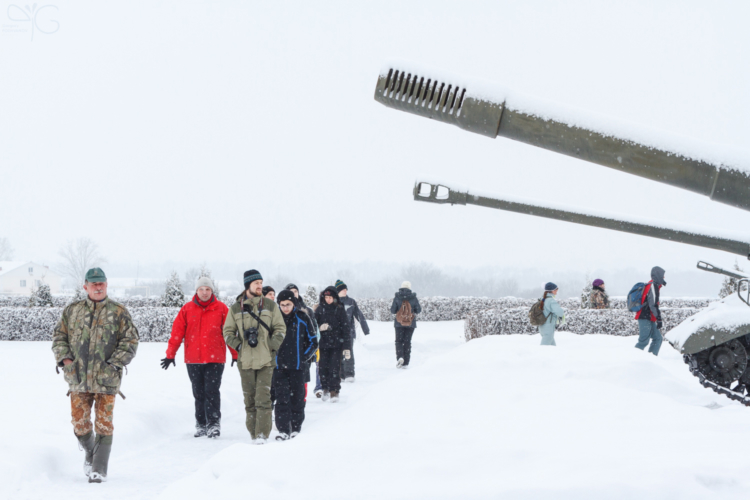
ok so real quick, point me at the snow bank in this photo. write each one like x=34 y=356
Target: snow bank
x=502 y=417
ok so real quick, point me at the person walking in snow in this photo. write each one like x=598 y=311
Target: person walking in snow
x=199 y=323
x=649 y=317
x=299 y=303
x=94 y=340
x=352 y=313
x=553 y=312
x=300 y=344
x=269 y=292
x=406 y=307
x=335 y=342
x=598 y=299
x=255 y=329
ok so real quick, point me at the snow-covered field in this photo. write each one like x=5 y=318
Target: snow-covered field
x=498 y=417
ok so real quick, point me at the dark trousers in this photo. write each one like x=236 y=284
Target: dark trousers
x=289 y=386
x=206 y=379
x=347 y=365
x=330 y=369
x=403 y=343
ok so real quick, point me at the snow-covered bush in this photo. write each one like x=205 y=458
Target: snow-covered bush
x=41 y=296
x=173 y=296
x=581 y=321
x=311 y=296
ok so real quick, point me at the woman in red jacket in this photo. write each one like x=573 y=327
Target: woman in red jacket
x=199 y=323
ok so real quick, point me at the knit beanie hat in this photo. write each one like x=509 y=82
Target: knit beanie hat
x=204 y=281
x=285 y=295
x=406 y=284
x=267 y=289
x=597 y=282
x=251 y=276
x=340 y=285
x=291 y=286
x=550 y=287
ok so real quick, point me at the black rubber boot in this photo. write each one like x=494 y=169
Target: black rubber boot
x=87 y=444
x=102 y=448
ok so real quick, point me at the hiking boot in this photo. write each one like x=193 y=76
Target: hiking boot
x=213 y=431
x=282 y=436
x=293 y=434
x=400 y=363
x=102 y=448
x=326 y=395
x=200 y=431
x=334 y=396
x=86 y=443
x=349 y=380
x=319 y=393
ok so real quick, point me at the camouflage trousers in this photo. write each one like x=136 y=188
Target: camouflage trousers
x=81 y=404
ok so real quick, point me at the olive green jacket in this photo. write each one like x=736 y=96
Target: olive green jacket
x=264 y=354
x=101 y=339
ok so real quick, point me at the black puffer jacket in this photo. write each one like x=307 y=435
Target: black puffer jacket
x=402 y=295
x=337 y=336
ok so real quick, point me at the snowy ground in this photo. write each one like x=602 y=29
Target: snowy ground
x=495 y=417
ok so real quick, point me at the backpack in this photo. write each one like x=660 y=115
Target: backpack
x=404 y=315
x=635 y=296
x=536 y=313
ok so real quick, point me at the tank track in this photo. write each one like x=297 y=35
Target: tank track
x=736 y=396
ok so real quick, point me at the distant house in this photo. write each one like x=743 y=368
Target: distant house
x=21 y=277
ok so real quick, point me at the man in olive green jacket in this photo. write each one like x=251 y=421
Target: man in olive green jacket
x=94 y=340
x=256 y=344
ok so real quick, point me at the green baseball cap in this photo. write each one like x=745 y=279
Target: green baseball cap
x=96 y=275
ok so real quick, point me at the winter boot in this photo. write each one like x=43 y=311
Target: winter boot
x=319 y=393
x=400 y=363
x=200 y=431
x=102 y=448
x=293 y=434
x=214 y=431
x=350 y=379
x=282 y=436
x=334 y=396
x=86 y=443
x=326 y=395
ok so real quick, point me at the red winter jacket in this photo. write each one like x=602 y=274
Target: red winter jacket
x=201 y=327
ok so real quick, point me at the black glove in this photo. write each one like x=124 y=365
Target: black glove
x=233 y=362
x=659 y=324
x=165 y=362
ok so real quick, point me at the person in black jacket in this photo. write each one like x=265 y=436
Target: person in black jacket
x=300 y=344
x=335 y=340
x=299 y=303
x=404 y=330
x=352 y=313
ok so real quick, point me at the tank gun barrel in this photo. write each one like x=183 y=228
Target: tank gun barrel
x=705 y=266
x=463 y=103
x=438 y=193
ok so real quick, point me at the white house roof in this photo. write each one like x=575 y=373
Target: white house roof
x=9 y=265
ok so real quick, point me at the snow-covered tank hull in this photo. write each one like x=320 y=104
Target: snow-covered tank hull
x=715 y=343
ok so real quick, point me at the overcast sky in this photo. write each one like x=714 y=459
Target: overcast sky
x=240 y=132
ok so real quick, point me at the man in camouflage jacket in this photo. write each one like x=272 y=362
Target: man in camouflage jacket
x=94 y=340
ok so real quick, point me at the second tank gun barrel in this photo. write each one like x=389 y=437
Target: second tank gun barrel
x=490 y=111
x=438 y=193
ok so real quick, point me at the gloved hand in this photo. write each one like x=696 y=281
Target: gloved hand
x=233 y=362
x=659 y=324
x=347 y=354
x=324 y=327
x=165 y=363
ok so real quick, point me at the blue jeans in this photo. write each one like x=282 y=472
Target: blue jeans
x=647 y=330
x=318 y=386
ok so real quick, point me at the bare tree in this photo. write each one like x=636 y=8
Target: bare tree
x=78 y=256
x=6 y=251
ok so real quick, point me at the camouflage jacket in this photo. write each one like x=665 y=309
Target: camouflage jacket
x=598 y=299
x=101 y=339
